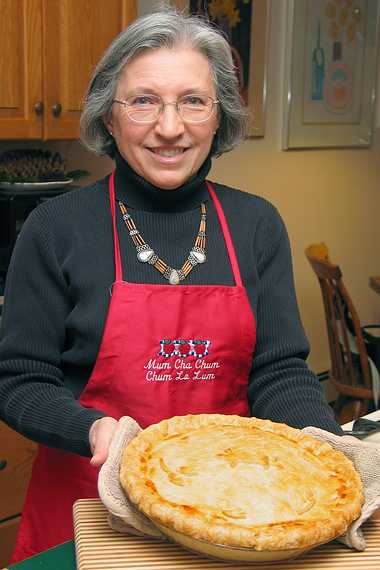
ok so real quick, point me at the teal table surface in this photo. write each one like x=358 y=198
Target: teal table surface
x=61 y=557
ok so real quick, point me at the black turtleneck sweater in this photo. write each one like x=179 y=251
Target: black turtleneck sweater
x=57 y=296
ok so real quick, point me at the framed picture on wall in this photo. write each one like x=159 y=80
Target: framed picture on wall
x=245 y=24
x=331 y=69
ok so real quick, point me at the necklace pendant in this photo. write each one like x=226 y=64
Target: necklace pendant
x=198 y=255
x=145 y=255
x=174 y=277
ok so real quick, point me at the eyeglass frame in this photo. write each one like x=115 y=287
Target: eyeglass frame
x=162 y=107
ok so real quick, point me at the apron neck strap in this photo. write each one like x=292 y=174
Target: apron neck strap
x=226 y=234
x=118 y=270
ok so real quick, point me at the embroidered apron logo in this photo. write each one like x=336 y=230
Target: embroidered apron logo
x=188 y=347
x=180 y=368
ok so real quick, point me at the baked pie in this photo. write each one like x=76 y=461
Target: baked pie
x=240 y=483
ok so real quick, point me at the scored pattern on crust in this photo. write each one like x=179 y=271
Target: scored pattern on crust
x=241 y=482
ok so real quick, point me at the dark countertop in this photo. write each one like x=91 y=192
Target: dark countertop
x=61 y=557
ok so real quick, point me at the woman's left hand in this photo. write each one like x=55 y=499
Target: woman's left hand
x=100 y=436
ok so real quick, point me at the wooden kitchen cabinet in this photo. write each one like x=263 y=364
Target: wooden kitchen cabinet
x=48 y=51
x=16 y=458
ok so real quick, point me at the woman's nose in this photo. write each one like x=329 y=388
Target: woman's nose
x=169 y=123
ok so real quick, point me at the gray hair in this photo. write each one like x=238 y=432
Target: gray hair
x=164 y=29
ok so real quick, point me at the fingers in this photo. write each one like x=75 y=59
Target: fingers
x=100 y=437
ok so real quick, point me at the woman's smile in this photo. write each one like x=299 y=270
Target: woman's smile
x=168 y=154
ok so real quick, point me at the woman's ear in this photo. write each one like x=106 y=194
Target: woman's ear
x=108 y=123
x=218 y=119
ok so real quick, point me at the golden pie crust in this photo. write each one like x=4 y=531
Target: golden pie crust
x=241 y=482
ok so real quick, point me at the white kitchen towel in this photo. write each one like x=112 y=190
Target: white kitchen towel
x=123 y=516
x=366 y=458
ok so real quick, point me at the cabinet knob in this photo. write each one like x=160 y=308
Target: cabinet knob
x=56 y=109
x=3 y=464
x=39 y=108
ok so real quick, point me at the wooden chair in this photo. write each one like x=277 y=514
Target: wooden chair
x=350 y=367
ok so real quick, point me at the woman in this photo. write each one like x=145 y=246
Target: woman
x=151 y=293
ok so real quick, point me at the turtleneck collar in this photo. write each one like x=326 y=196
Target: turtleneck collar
x=138 y=193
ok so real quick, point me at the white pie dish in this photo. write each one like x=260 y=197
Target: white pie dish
x=240 y=489
x=228 y=553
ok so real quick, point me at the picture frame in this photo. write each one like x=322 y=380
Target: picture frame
x=330 y=73
x=245 y=23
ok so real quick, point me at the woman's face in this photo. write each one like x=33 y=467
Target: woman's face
x=169 y=151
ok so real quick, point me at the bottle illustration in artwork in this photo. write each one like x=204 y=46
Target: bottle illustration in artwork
x=338 y=84
x=344 y=22
x=318 y=69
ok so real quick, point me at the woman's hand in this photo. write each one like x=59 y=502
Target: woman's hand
x=100 y=436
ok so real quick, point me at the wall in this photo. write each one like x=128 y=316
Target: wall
x=323 y=195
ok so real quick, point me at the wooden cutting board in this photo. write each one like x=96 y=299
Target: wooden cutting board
x=98 y=547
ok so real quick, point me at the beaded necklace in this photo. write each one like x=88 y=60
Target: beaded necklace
x=146 y=254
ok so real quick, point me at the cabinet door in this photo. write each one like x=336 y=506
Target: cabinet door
x=76 y=34
x=8 y=533
x=16 y=458
x=20 y=69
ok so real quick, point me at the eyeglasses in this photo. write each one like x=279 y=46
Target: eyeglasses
x=146 y=108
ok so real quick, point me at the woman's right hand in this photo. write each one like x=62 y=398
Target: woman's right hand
x=100 y=436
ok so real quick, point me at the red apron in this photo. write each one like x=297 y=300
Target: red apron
x=166 y=350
